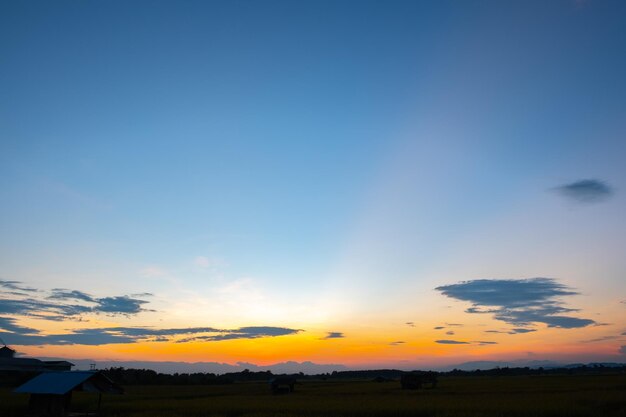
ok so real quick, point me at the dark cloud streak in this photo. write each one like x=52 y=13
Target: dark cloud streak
x=586 y=191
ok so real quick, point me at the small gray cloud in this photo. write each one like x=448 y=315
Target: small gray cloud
x=439 y=328
x=333 y=335
x=119 y=305
x=63 y=294
x=16 y=286
x=517 y=330
x=455 y=324
x=410 y=324
x=602 y=339
x=450 y=333
x=586 y=191
x=244 y=333
x=451 y=342
x=520 y=302
x=397 y=343
x=484 y=343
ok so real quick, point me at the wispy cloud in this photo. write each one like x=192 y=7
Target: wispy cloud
x=114 y=335
x=253 y=332
x=460 y=342
x=333 y=335
x=439 y=328
x=63 y=294
x=602 y=339
x=16 y=286
x=397 y=343
x=8 y=324
x=410 y=324
x=451 y=342
x=520 y=302
x=517 y=330
x=586 y=191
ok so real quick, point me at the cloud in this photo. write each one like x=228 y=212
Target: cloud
x=333 y=335
x=520 y=302
x=451 y=342
x=410 y=324
x=8 y=324
x=41 y=309
x=602 y=339
x=61 y=304
x=115 y=335
x=119 y=305
x=397 y=343
x=450 y=333
x=63 y=294
x=586 y=191
x=16 y=286
x=516 y=330
x=439 y=328
x=455 y=324
x=244 y=333
x=622 y=350
x=484 y=343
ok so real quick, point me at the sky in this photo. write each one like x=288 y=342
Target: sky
x=361 y=183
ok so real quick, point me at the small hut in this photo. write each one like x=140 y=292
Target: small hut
x=51 y=392
x=282 y=384
x=6 y=352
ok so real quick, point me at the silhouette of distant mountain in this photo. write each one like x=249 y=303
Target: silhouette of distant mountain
x=289 y=367
x=310 y=368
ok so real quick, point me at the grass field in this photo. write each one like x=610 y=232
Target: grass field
x=589 y=395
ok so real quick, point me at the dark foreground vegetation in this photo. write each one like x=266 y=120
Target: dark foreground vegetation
x=582 y=394
x=149 y=377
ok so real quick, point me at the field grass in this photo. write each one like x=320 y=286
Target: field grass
x=545 y=396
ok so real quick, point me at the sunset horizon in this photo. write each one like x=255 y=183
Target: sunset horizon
x=314 y=185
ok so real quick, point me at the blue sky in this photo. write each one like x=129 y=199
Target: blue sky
x=329 y=154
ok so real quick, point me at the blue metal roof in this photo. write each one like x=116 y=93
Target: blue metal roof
x=56 y=382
